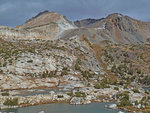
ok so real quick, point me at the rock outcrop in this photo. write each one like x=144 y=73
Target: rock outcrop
x=79 y=100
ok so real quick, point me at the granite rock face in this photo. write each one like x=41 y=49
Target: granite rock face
x=79 y=100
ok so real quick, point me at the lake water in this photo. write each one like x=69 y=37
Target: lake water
x=63 y=108
x=148 y=88
x=25 y=93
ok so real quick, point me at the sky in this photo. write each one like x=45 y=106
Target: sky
x=16 y=12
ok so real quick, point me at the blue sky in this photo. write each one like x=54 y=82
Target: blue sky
x=15 y=12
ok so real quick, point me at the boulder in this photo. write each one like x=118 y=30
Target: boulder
x=79 y=100
x=120 y=112
x=41 y=112
x=112 y=106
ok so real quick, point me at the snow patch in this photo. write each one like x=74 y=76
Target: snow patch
x=63 y=26
x=101 y=27
x=119 y=15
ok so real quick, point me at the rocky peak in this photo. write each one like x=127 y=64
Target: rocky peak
x=117 y=19
x=50 y=25
x=44 y=12
x=85 y=22
x=43 y=18
x=115 y=15
x=41 y=13
x=127 y=29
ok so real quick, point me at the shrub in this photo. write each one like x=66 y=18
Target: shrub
x=116 y=88
x=113 y=69
x=60 y=96
x=11 y=102
x=125 y=102
x=70 y=93
x=31 y=50
x=147 y=91
x=139 y=71
x=104 y=84
x=77 y=65
x=87 y=40
x=65 y=68
x=121 y=82
x=5 y=94
x=114 y=82
x=30 y=61
x=125 y=54
x=136 y=102
x=5 y=64
x=80 y=94
x=130 y=71
x=126 y=87
x=48 y=74
x=87 y=74
x=44 y=75
x=64 y=71
x=136 y=91
x=97 y=86
x=123 y=95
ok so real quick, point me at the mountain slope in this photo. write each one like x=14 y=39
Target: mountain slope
x=90 y=59
x=47 y=23
x=86 y=22
x=116 y=28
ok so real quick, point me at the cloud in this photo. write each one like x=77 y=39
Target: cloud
x=15 y=12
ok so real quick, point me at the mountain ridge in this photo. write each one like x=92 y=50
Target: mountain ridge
x=77 y=63
x=115 y=27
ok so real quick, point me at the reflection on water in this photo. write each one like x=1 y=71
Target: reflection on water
x=148 y=88
x=39 y=91
x=64 y=108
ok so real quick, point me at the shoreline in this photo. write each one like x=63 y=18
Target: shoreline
x=100 y=96
x=51 y=99
x=58 y=102
x=92 y=101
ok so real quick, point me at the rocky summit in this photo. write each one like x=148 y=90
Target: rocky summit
x=51 y=59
